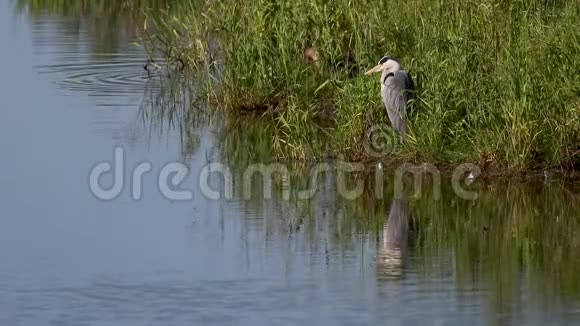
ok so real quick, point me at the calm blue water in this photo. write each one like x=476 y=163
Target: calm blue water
x=68 y=258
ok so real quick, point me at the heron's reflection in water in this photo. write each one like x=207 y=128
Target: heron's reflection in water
x=394 y=246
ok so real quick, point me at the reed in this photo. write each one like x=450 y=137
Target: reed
x=498 y=80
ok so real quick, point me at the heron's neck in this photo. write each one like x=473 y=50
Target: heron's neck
x=389 y=71
x=385 y=75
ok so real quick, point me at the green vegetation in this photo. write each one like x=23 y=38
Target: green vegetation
x=498 y=80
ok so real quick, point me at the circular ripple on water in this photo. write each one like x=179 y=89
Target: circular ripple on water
x=105 y=79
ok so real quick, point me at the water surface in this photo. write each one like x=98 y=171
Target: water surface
x=73 y=89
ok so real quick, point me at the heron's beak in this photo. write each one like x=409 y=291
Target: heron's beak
x=377 y=68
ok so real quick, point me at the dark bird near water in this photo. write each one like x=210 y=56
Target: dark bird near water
x=151 y=67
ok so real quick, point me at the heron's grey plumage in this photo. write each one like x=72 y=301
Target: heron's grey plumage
x=397 y=89
x=396 y=92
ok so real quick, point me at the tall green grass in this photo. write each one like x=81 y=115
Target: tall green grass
x=498 y=80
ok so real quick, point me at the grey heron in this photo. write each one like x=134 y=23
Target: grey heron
x=397 y=88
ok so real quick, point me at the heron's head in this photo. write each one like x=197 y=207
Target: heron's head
x=386 y=64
